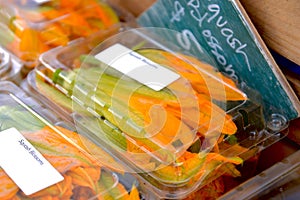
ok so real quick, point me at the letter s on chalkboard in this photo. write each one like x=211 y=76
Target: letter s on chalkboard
x=184 y=39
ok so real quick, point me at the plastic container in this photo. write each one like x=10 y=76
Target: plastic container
x=32 y=27
x=9 y=67
x=281 y=181
x=4 y=61
x=62 y=57
x=84 y=176
x=210 y=123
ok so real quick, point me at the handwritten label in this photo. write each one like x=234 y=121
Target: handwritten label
x=221 y=29
x=32 y=152
x=212 y=15
x=24 y=164
x=137 y=67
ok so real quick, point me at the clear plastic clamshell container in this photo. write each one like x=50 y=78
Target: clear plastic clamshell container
x=9 y=67
x=33 y=26
x=41 y=137
x=281 y=181
x=174 y=119
x=4 y=61
x=60 y=58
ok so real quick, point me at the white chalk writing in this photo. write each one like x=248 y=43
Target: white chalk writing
x=212 y=15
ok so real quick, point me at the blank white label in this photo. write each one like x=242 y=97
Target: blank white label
x=41 y=1
x=137 y=67
x=24 y=164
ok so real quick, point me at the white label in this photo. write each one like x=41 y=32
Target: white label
x=137 y=67
x=24 y=164
x=41 y=1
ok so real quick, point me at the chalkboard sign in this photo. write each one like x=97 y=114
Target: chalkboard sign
x=222 y=28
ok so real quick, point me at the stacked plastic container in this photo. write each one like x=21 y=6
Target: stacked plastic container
x=140 y=106
x=176 y=123
x=27 y=29
x=44 y=135
x=9 y=67
x=32 y=27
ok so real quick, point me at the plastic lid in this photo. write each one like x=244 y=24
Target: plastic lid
x=171 y=171
x=4 y=61
x=38 y=26
x=160 y=98
x=41 y=137
x=179 y=95
x=10 y=68
x=124 y=106
x=37 y=11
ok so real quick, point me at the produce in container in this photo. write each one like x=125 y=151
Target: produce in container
x=207 y=119
x=37 y=26
x=189 y=167
x=85 y=176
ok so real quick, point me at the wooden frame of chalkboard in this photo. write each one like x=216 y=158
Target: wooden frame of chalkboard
x=225 y=31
